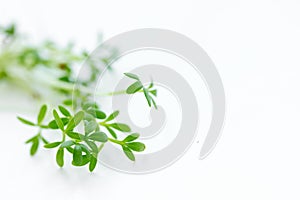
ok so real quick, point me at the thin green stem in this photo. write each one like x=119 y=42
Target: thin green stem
x=63 y=136
x=113 y=93
x=39 y=133
x=116 y=93
x=70 y=87
x=103 y=123
x=116 y=141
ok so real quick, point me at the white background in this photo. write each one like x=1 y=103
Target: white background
x=255 y=46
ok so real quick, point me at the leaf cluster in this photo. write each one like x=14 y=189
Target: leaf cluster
x=84 y=146
x=138 y=86
x=25 y=64
x=46 y=58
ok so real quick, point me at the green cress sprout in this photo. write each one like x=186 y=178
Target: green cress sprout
x=138 y=86
x=99 y=128
x=48 y=70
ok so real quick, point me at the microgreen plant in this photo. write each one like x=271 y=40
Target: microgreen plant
x=98 y=129
x=84 y=128
x=138 y=86
x=84 y=146
x=27 y=64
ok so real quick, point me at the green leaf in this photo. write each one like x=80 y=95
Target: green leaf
x=44 y=140
x=112 y=116
x=128 y=153
x=42 y=114
x=58 y=120
x=67 y=102
x=85 y=160
x=151 y=84
x=34 y=147
x=85 y=149
x=120 y=127
x=70 y=149
x=98 y=136
x=93 y=163
x=64 y=111
x=60 y=157
x=53 y=124
x=98 y=128
x=66 y=144
x=10 y=30
x=25 y=121
x=93 y=146
x=112 y=132
x=90 y=127
x=52 y=145
x=78 y=117
x=97 y=113
x=88 y=117
x=154 y=92
x=147 y=96
x=75 y=135
x=100 y=114
x=31 y=139
x=65 y=78
x=131 y=137
x=89 y=104
x=136 y=86
x=77 y=155
x=136 y=146
x=133 y=76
